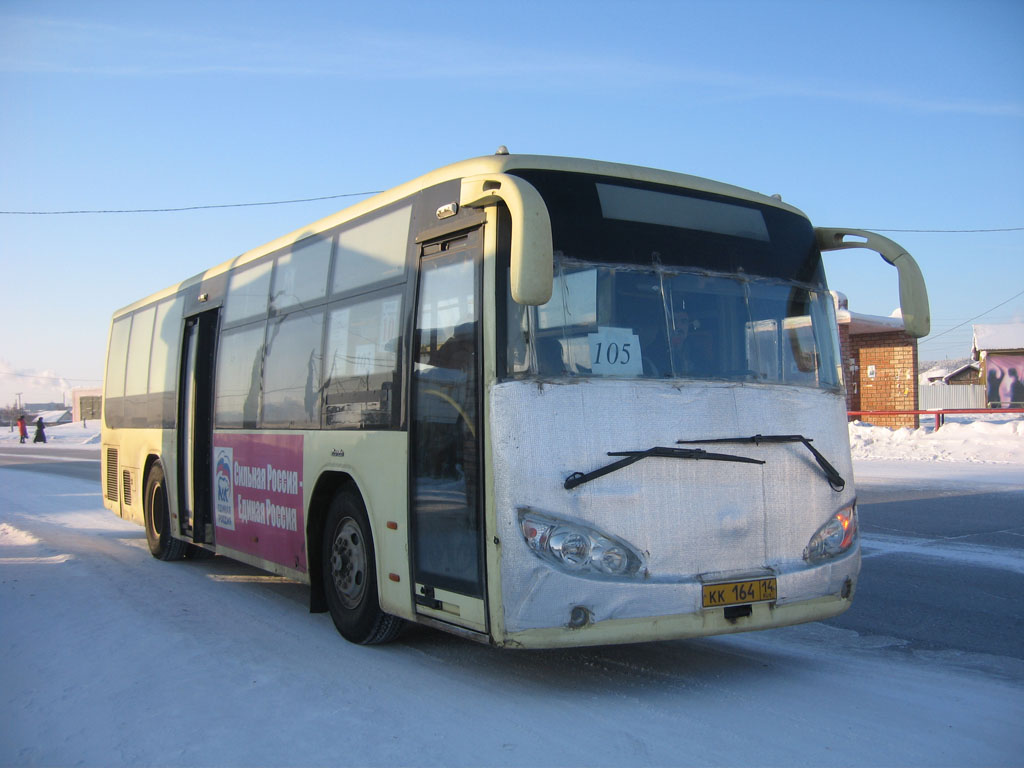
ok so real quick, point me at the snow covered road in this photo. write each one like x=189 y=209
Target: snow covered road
x=108 y=657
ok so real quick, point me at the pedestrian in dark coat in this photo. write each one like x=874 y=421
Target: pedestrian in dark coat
x=40 y=434
x=22 y=428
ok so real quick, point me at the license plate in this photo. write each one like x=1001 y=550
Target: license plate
x=740 y=592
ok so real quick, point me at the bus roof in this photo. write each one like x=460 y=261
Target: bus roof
x=487 y=164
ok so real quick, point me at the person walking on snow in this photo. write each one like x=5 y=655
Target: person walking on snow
x=40 y=434
x=22 y=428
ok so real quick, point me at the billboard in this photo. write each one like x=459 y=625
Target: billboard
x=257 y=487
x=1003 y=385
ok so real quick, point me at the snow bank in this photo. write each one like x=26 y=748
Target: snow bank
x=977 y=442
x=974 y=440
x=70 y=435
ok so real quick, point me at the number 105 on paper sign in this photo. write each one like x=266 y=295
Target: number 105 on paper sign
x=615 y=352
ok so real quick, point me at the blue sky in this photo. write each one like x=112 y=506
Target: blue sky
x=895 y=115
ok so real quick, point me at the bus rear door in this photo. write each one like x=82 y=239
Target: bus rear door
x=195 y=426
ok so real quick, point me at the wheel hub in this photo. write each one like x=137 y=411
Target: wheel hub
x=348 y=563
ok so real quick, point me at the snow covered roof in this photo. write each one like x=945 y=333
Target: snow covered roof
x=868 y=323
x=54 y=417
x=946 y=372
x=934 y=374
x=859 y=323
x=998 y=336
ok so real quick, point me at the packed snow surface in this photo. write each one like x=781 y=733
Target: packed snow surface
x=110 y=658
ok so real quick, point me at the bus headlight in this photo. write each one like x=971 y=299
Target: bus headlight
x=834 y=537
x=578 y=548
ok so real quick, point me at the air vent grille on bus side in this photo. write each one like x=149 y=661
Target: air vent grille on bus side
x=127 y=486
x=112 y=474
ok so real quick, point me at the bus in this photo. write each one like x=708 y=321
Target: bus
x=532 y=401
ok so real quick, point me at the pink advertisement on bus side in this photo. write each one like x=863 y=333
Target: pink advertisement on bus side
x=257 y=481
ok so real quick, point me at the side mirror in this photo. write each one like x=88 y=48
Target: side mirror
x=531 y=258
x=913 y=294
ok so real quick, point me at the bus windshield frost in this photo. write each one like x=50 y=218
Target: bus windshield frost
x=533 y=401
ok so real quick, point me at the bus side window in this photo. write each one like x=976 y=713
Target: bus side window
x=300 y=276
x=291 y=375
x=136 y=380
x=248 y=290
x=113 y=382
x=163 y=369
x=361 y=363
x=239 y=368
x=373 y=250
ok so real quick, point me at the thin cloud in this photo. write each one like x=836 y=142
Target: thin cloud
x=34 y=386
x=84 y=48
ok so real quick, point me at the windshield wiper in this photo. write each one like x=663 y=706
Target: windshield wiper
x=834 y=478
x=632 y=457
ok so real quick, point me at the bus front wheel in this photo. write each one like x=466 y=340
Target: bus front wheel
x=162 y=545
x=350 y=575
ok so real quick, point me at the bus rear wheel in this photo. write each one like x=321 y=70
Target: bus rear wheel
x=350 y=575
x=162 y=545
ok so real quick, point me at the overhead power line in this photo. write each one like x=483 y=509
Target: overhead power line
x=47 y=378
x=965 y=322
x=956 y=231
x=189 y=207
x=182 y=208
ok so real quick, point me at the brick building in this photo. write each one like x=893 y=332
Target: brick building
x=879 y=365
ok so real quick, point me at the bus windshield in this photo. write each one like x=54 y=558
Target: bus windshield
x=657 y=322
x=658 y=282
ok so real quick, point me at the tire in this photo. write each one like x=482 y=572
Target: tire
x=350 y=575
x=162 y=545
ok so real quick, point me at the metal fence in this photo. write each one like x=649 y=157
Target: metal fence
x=951 y=396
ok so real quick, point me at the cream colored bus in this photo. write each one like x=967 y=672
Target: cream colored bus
x=534 y=401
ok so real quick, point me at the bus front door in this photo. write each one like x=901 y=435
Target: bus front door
x=195 y=427
x=445 y=435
